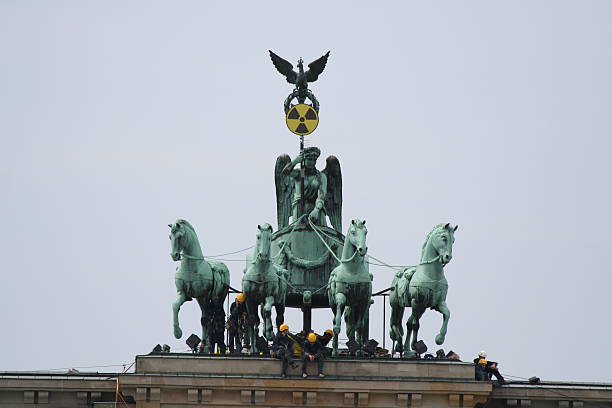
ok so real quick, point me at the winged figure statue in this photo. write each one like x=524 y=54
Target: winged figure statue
x=300 y=78
x=322 y=189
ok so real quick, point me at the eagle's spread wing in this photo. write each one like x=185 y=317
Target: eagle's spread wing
x=285 y=67
x=315 y=68
x=333 y=200
x=284 y=191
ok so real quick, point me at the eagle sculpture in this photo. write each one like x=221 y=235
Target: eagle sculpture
x=300 y=78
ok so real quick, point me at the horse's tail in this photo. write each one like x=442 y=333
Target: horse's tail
x=399 y=287
x=408 y=272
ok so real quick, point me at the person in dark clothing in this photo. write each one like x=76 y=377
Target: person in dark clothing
x=235 y=323
x=313 y=350
x=326 y=337
x=281 y=348
x=216 y=329
x=484 y=369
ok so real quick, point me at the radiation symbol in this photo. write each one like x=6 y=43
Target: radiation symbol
x=302 y=119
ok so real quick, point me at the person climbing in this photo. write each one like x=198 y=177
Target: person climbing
x=313 y=350
x=236 y=323
x=485 y=369
x=281 y=348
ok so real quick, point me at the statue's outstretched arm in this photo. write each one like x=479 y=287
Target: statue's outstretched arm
x=291 y=165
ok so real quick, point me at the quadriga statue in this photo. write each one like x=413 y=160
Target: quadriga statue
x=206 y=281
x=421 y=287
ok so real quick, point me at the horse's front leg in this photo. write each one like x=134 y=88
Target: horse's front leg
x=267 y=317
x=340 y=301
x=412 y=328
x=443 y=308
x=204 y=320
x=252 y=325
x=176 y=306
x=360 y=321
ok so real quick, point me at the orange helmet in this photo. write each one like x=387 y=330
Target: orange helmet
x=283 y=327
x=240 y=297
x=329 y=331
x=312 y=337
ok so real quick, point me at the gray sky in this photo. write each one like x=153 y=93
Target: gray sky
x=116 y=118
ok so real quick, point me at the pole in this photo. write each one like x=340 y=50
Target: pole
x=384 y=319
x=302 y=176
x=227 y=306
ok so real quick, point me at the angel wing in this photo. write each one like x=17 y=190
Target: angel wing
x=284 y=67
x=315 y=68
x=284 y=191
x=333 y=201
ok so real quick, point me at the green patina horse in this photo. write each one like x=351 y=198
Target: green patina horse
x=350 y=287
x=421 y=287
x=264 y=284
x=206 y=281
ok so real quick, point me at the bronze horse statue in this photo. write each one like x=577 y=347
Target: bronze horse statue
x=264 y=284
x=206 y=281
x=350 y=287
x=421 y=287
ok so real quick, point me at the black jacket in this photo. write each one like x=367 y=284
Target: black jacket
x=325 y=338
x=281 y=341
x=312 y=348
x=236 y=311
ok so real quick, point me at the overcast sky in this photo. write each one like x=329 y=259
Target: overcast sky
x=116 y=118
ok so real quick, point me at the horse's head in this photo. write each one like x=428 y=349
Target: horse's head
x=178 y=235
x=357 y=236
x=441 y=239
x=263 y=243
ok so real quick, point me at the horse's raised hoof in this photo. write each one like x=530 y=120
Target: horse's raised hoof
x=439 y=339
x=178 y=333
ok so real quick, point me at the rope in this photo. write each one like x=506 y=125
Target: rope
x=315 y=229
x=230 y=253
x=382 y=263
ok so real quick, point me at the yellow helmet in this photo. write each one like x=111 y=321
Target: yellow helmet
x=240 y=297
x=312 y=337
x=329 y=331
x=283 y=327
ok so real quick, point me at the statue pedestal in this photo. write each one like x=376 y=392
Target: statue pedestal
x=341 y=367
x=174 y=380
